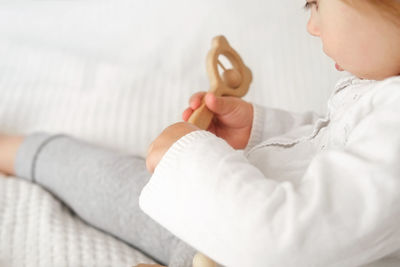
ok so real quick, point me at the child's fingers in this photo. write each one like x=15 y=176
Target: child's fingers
x=195 y=100
x=194 y=103
x=220 y=105
x=186 y=114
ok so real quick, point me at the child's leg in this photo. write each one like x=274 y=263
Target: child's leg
x=9 y=145
x=103 y=188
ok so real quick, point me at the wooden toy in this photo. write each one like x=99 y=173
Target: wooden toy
x=201 y=260
x=234 y=82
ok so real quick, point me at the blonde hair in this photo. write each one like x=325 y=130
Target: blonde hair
x=390 y=9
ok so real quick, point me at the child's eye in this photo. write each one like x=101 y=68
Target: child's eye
x=308 y=5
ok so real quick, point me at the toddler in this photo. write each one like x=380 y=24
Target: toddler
x=263 y=186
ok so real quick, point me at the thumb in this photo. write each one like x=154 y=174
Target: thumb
x=220 y=105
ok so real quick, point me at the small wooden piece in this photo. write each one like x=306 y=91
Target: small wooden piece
x=234 y=82
x=201 y=260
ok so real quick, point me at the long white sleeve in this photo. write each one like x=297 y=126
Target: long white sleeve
x=271 y=122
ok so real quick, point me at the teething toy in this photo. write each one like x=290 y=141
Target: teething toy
x=234 y=82
x=200 y=260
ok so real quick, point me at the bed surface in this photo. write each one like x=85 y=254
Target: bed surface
x=38 y=230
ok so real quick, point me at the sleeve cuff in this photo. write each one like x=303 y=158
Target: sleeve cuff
x=257 y=128
x=180 y=145
x=28 y=152
x=177 y=169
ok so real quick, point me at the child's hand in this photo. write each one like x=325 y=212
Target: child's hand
x=165 y=140
x=233 y=117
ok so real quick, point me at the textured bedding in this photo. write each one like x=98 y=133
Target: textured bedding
x=38 y=230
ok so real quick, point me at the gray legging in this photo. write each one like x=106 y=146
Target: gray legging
x=103 y=188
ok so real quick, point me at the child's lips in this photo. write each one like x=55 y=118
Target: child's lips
x=338 y=67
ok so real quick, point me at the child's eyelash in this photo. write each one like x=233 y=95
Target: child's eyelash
x=308 y=5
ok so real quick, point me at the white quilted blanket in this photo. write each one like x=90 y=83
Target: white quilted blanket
x=37 y=230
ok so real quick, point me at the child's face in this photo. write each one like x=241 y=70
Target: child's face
x=362 y=43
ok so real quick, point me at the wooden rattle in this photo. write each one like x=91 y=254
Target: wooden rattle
x=201 y=260
x=234 y=82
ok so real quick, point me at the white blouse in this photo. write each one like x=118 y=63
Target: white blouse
x=307 y=191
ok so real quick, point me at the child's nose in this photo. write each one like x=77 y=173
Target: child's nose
x=312 y=28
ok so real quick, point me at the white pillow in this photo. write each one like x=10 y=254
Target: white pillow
x=116 y=73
